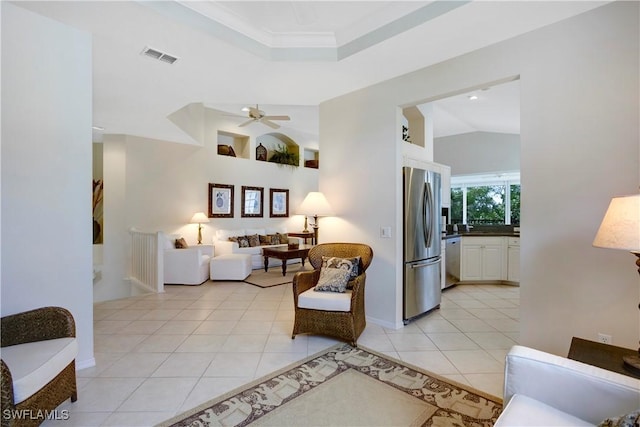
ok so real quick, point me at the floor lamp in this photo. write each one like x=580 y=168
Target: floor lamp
x=620 y=229
x=315 y=204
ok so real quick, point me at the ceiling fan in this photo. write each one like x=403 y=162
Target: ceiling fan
x=257 y=115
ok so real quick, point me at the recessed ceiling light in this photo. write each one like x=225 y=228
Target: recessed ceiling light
x=98 y=128
x=473 y=97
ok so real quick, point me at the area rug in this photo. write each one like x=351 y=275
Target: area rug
x=347 y=386
x=274 y=276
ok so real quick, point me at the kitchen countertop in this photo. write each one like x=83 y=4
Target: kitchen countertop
x=481 y=234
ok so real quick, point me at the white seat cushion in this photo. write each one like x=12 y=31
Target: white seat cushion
x=230 y=267
x=328 y=301
x=34 y=364
x=525 y=411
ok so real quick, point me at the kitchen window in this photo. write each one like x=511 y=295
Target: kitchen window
x=485 y=199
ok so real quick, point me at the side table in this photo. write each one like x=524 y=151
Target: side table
x=305 y=235
x=604 y=356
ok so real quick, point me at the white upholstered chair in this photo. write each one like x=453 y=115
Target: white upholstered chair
x=543 y=389
x=185 y=266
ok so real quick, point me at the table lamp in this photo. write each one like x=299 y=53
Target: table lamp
x=620 y=229
x=315 y=204
x=199 y=218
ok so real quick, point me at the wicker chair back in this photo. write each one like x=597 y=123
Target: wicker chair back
x=341 y=250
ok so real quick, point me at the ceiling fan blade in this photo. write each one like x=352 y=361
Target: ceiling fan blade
x=246 y=123
x=277 y=117
x=269 y=123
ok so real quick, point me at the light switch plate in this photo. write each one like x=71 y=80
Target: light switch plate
x=385 y=232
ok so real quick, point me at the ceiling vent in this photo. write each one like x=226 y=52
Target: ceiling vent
x=160 y=56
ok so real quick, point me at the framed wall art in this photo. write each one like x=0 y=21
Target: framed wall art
x=279 y=206
x=252 y=202
x=220 y=201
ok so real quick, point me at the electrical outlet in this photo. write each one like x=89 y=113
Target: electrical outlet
x=605 y=339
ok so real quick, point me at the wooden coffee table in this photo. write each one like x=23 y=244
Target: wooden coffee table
x=283 y=253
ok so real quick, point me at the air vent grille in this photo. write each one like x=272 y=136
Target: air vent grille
x=160 y=56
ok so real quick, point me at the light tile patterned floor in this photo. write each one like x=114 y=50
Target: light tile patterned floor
x=159 y=355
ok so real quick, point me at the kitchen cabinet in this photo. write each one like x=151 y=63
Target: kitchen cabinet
x=482 y=258
x=445 y=178
x=494 y=258
x=513 y=259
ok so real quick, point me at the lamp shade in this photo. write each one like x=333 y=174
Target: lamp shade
x=620 y=227
x=199 y=218
x=315 y=204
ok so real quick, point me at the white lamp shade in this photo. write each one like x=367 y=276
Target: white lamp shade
x=620 y=228
x=315 y=204
x=199 y=218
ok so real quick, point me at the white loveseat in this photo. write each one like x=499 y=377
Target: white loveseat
x=543 y=389
x=185 y=266
x=222 y=244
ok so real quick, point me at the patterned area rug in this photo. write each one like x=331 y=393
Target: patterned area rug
x=274 y=276
x=346 y=386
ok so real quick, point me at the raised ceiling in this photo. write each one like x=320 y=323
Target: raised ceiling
x=305 y=30
x=134 y=94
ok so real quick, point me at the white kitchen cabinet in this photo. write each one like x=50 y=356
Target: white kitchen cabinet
x=445 y=178
x=513 y=259
x=482 y=258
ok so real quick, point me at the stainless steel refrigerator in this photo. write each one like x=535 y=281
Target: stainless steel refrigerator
x=422 y=236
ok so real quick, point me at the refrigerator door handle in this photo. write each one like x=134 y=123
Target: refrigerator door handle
x=425 y=264
x=427 y=214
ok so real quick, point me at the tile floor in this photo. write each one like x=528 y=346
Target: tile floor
x=159 y=355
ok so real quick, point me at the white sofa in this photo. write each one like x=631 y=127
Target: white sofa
x=542 y=389
x=222 y=244
x=186 y=266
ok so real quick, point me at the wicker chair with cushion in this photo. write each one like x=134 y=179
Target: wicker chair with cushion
x=38 y=364
x=336 y=314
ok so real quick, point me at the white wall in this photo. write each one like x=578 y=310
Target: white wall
x=46 y=170
x=579 y=147
x=478 y=152
x=158 y=186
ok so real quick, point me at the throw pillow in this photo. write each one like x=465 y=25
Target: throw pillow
x=243 y=241
x=631 y=419
x=332 y=280
x=265 y=240
x=282 y=238
x=254 y=240
x=181 y=243
x=352 y=265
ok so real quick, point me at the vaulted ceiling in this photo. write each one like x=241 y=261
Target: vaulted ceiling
x=287 y=56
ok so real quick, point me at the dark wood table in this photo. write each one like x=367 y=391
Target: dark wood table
x=283 y=253
x=304 y=235
x=604 y=356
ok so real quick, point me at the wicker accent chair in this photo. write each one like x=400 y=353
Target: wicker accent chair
x=41 y=324
x=345 y=325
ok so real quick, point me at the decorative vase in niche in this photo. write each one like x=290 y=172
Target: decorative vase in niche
x=261 y=153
